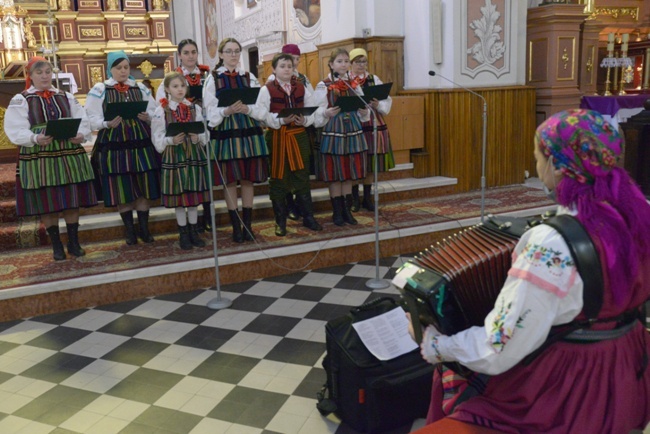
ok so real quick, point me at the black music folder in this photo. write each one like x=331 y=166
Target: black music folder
x=62 y=129
x=126 y=109
x=175 y=128
x=381 y=91
x=247 y=95
x=195 y=92
x=305 y=111
x=350 y=103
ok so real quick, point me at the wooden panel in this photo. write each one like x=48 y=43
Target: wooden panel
x=453 y=135
x=413 y=137
x=402 y=157
x=406 y=123
x=312 y=70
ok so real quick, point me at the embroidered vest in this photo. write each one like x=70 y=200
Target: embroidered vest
x=280 y=99
x=41 y=109
x=334 y=91
x=225 y=81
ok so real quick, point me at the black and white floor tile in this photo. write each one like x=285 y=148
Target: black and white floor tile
x=170 y=364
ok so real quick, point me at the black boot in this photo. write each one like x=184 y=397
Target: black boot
x=73 y=240
x=236 y=226
x=184 y=237
x=347 y=215
x=143 y=225
x=57 y=247
x=293 y=212
x=127 y=218
x=367 y=202
x=195 y=238
x=307 y=211
x=247 y=217
x=337 y=210
x=354 y=204
x=280 y=211
x=207 y=219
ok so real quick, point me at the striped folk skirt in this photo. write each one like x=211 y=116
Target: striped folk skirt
x=53 y=178
x=127 y=171
x=385 y=159
x=343 y=149
x=239 y=148
x=184 y=176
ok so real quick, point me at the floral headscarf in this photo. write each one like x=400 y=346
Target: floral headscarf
x=583 y=144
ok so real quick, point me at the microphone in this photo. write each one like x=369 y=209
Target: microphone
x=484 y=147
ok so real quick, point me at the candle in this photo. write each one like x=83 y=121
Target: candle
x=610 y=46
x=626 y=38
x=610 y=37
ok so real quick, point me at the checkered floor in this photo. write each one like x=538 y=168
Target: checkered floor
x=171 y=365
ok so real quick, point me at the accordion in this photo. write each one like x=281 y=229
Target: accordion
x=453 y=285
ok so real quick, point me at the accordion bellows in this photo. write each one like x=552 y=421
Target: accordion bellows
x=461 y=276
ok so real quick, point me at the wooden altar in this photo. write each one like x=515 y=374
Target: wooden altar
x=83 y=32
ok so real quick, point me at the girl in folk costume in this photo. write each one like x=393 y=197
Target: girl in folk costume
x=343 y=147
x=236 y=137
x=385 y=161
x=289 y=144
x=184 y=174
x=195 y=74
x=53 y=176
x=595 y=379
x=125 y=159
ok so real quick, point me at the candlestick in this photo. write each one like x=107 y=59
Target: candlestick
x=646 y=70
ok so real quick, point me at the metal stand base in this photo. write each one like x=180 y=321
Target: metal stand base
x=377 y=283
x=219 y=303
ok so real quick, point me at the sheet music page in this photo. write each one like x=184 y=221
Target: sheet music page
x=386 y=336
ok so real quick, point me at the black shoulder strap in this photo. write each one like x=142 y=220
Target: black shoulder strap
x=586 y=259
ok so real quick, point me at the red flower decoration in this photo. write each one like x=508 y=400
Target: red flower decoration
x=163 y=102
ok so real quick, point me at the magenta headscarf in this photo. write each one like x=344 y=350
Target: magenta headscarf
x=610 y=205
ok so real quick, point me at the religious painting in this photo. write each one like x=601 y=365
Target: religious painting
x=211 y=35
x=251 y=3
x=307 y=11
x=36 y=4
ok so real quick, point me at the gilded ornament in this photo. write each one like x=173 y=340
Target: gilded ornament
x=146 y=67
x=113 y=5
x=565 y=58
x=96 y=75
x=64 y=5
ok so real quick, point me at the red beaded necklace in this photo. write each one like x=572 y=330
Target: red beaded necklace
x=182 y=113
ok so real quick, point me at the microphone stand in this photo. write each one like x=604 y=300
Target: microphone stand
x=484 y=138
x=375 y=283
x=218 y=302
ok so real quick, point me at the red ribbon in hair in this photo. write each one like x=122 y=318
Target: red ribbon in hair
x=28 y=69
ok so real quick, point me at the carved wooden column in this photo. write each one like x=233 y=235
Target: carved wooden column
x=115 y=30
x=589 y=64
x=160 y=32
x=553 y=39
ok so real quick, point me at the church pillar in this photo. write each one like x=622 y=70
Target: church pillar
x=553 y=69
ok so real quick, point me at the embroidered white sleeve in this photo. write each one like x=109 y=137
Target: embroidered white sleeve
x=16 y=122
x=523 y=314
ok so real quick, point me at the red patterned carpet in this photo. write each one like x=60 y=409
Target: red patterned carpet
x=35 y=265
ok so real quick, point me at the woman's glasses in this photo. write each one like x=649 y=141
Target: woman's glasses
x=231 y=52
